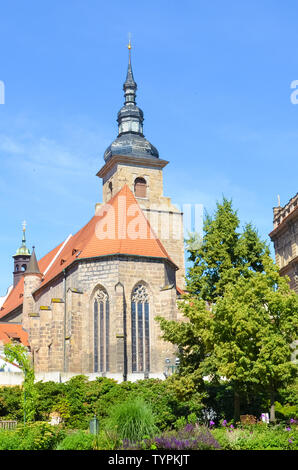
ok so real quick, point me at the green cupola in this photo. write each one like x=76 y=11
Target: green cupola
x=21 y=259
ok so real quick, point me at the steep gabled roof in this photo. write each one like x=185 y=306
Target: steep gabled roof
x=119 y=227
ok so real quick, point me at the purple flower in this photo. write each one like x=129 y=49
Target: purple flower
x=189 y=427
x=212 y=423
x=290 y=441
x=288 y=428
x=224 y=423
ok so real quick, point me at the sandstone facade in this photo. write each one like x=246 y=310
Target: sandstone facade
x=61 y=325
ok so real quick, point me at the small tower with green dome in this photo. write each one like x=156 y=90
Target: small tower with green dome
x=21 y=259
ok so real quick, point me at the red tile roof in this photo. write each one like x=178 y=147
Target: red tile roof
x=119 y=227
x=9 y=331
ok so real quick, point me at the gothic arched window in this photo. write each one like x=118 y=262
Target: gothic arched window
x=140 y=329
x=101 y=331
x=140 y=187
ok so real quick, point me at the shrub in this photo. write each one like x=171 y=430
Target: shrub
x=289 y=394
x=39 y=436
x=9 y=440
x=286 y=412
x=79 y=399
x=166 y=406
x=258 y=437
x=189 y=438
x=131 y=420
x=83 y=396
x=52 y=393
x=78 y=440
x=11 y=402
x=33 y=436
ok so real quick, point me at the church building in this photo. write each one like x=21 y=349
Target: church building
x=89 y=305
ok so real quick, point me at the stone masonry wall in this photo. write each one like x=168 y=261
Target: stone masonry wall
x=61 y=334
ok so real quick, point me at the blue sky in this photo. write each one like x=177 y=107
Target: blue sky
x=214 y=84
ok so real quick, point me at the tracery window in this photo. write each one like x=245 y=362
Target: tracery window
x=140 y=329
x=101 y=331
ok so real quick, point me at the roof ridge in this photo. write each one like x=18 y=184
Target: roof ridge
x=57 y=254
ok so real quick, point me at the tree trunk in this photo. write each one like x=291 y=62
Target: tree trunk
x=236 y=406
x=272 y=407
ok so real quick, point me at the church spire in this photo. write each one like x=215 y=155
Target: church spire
x=130 y=117
x=129 y=85
x=130 y=140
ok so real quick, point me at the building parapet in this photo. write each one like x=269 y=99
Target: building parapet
x=281 y=213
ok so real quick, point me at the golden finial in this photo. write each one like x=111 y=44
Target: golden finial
x=129 y=41
x=24 y=225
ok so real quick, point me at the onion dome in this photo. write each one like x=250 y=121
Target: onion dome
x=23 y=250
x=130 y=140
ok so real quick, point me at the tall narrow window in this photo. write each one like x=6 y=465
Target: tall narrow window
x=140 y=333
x=140 y=187
x=101 y=319
x=110 y=189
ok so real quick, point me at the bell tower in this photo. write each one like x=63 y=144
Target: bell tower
x=133 y=161
x=21 y=259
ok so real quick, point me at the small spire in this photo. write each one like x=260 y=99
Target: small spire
x=129 y=46
x=24 y=232
x=130 y=117
x=130 y=85
x=33 y=264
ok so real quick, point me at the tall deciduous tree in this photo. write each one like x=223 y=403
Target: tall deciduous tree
x=242 y=317
x=255 y=324
x=225 y=253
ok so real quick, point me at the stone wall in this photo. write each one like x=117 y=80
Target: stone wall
x=61 y=334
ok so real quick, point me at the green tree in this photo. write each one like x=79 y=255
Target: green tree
x=255 y=324
x=241 y=316
x=224 y=255
x=19 y=353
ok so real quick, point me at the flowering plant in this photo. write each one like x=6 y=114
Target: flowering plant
x=190 y=437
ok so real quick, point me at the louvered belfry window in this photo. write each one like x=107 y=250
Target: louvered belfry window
x=140 y=329
x=101 y=331
x=140 y=187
